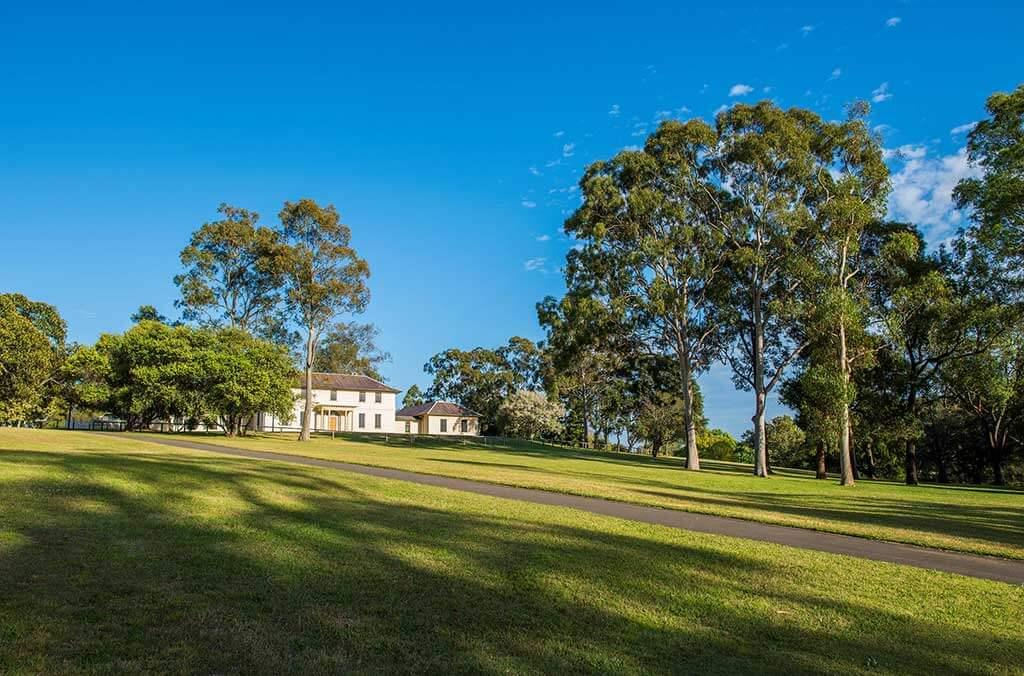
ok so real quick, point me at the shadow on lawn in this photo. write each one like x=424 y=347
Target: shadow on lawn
x=122 y=569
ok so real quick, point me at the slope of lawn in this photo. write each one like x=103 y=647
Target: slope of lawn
x=122 y=556
x=975 y=519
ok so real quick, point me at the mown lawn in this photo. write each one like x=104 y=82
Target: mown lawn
x=118 y=555
x=975 y=519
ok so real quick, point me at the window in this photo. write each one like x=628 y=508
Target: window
x=376 y=397
x=376 y=421
x=444 y=424
x=465 y=426
x=334 y=395
x=408 y=427
x=362 y=396
x=362 y=421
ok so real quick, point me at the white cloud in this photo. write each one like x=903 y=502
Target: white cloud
x=893 y=21
x=553 y=163
x=807 y=30
x=662 y=114
x=740 y=90
x=543 y=238
x=568 y=149
x=529 y=204
x=882 y=93
x=532 y=264
x=559 y=134
x=615 y=110
x=963 y=128
x=905 y=152
x=632 y=148
x=768 y=89
x=922 y=193
x=721 y=109
x=535 y=171
x=783 y=46
x=836 y=72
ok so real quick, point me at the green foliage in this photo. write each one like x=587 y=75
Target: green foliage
x=528 y=414
x=233 y=272
x=158 y=372
x=31 y=336
x=148 y=313
x=413 y=396
x=84 y=380
x=481 y=379
x=658 y=421
x=350 y=347
x=716 y=444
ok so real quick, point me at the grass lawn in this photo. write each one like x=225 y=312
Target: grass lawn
x=119 y=555
x=975 y=519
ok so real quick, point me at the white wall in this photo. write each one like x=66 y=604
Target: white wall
x=369 y=408
x=433 y=425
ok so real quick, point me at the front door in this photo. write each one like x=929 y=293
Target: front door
x=332 y=421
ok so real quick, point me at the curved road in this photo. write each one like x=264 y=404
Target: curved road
x=991 y=568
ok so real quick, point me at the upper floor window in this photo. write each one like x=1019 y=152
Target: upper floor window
x=376 y=397
x=444 y=424
x=362 y=396
x=334 y=395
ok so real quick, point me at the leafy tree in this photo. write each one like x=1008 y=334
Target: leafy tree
x=767 y=158
x=148 y=313
x=996 y=198
x=658 y=421
x=84 y=377
x=717 y=444
x=324 y=278
x=480 y=379
x=156 y=372
x=529 y=414
x=852 y=185
x=233 y=272
x=28 y=356
x=652 y=227
x=244 y=376
x=413 y=397
x=350 y=347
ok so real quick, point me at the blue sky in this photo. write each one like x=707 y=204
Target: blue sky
x=450 y=137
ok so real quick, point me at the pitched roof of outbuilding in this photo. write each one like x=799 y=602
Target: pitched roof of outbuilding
x=437 y=408
x=346 y=381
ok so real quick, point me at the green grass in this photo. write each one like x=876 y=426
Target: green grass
x=118 y=555
x=974 y=519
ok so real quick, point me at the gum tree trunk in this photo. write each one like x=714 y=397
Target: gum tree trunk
x=822 y=472
x=307 y=418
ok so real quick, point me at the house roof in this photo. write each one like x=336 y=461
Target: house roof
x=346 y=381
x=437 y=408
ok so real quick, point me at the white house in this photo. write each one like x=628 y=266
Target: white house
x=353 y=403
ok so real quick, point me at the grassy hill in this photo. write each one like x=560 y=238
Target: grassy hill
x=120 y=555
x=975 y=519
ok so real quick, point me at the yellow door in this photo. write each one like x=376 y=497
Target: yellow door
x=332 y=421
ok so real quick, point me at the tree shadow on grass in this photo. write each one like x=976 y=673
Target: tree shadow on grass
x=121 y=564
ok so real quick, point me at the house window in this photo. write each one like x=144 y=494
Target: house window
x=408 y=427
x=376 y=421
x=362 y=421
x=444 y=424
x=376 y=397
x=362 y=396
x=465 y=426
x=334 y=395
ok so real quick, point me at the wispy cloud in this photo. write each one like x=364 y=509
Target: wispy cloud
x=568 y=149
x=615 y=110
x=963 y=128
x=905 y=152
x=535 y=171
x=534 y=264
x=806 y=29
x=893 y=21
x=662 y=114
x=836 y=73
x=529 y=204
x=882 y=93
x=553 y=163
x=740 y=90
x=559 y=134
x=721 y=109
x=543 y=238
x=922 y=193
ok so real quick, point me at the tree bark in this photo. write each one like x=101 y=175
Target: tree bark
x=822 y=472
x=872 y=468
x=845 y=461
x=760 y=393
x=692 y=455
x=307 y=418
x=911 y=463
